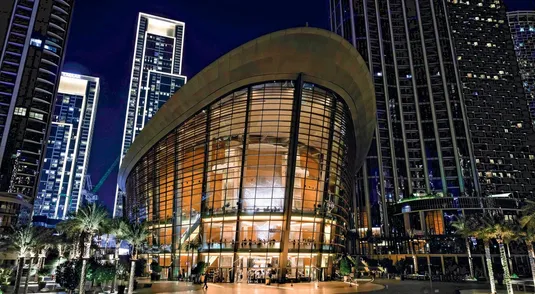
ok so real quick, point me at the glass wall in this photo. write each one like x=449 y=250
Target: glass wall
x=215 y=188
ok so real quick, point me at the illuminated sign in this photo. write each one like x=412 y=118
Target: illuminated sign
x=70 y=75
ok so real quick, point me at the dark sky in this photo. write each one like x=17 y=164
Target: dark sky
x=101 y=44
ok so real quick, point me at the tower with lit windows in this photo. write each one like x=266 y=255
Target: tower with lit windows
x=68 y=148
x=453 y=135
x=33 y=36
x=156 y=76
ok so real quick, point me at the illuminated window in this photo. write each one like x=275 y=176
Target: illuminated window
x=50 y=48
x=36 y=42
x=36 y=115
x=20 y=111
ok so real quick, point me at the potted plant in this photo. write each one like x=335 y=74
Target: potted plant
x=42 y=273
x=345 y=268
x=156 y=270
x=5 y=276
x=122 y=276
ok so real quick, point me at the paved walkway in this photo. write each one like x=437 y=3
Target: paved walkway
x=227 y=288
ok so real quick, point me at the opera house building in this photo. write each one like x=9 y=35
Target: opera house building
x=250 y=167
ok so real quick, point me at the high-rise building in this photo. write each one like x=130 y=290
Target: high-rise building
x=33 y=36
x=68 y=147
x=156 y=76
x=522 y=24
x=453 y=134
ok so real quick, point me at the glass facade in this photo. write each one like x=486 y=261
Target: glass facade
x=259 y=181
x=522 y=25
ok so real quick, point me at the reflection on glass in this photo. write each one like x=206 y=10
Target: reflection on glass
x=214 y=188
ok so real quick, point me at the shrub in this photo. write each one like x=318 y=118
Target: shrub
x=345 y=266
x=67 y=275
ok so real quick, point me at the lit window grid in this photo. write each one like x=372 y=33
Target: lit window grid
x=275 y=112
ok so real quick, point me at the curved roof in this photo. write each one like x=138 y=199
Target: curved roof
x=323 y=58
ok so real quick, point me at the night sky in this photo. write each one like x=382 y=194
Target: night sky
x=101 y=44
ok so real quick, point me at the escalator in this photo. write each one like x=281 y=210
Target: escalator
x=193 y=231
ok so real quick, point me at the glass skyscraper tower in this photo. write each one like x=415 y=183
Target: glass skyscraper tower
x=453 y=134
x=68 y=148
x=522 y=24
x=156 y=76
x=33 y=36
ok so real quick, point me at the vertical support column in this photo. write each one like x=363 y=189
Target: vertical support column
x=442 y=264
x=177 y=217
x=204 y=197
x=326 y=183
x=290 y=174
x=240 y=191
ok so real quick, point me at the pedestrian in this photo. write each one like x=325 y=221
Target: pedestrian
x=205 y=286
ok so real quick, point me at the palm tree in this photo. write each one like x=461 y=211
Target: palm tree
x=24 y=240
x=136 y=235
x=116 y=227
x=463 y=228
x=484 y=232
x=89 y=220
x=527 y=222
x=504 y=233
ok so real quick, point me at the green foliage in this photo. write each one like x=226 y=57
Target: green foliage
x=155 y=267
x=67 y=275
x=136 y=235
x=140 y=267
x=199 y=268
x=104 y=273
x=89 y=219
x=5 y=276
x=44 y=271
x=345 y=266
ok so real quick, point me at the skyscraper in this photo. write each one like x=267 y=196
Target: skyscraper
x=453 y=134
x=156 y=76
x=522 y=24
x=67 y=153
x=33 y=36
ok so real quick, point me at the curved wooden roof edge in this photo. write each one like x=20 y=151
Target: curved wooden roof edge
x=323 y=58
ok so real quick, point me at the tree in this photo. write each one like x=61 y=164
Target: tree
x=527 y=222
x=67 y=275
x=136 y=235
x=504 y=233
x=89 y=220
x=482 y=230
x=463 y=229
x=116 y=228
x=345 y=266
x=24 y=241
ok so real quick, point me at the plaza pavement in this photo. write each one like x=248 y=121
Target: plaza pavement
x=381 y=286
